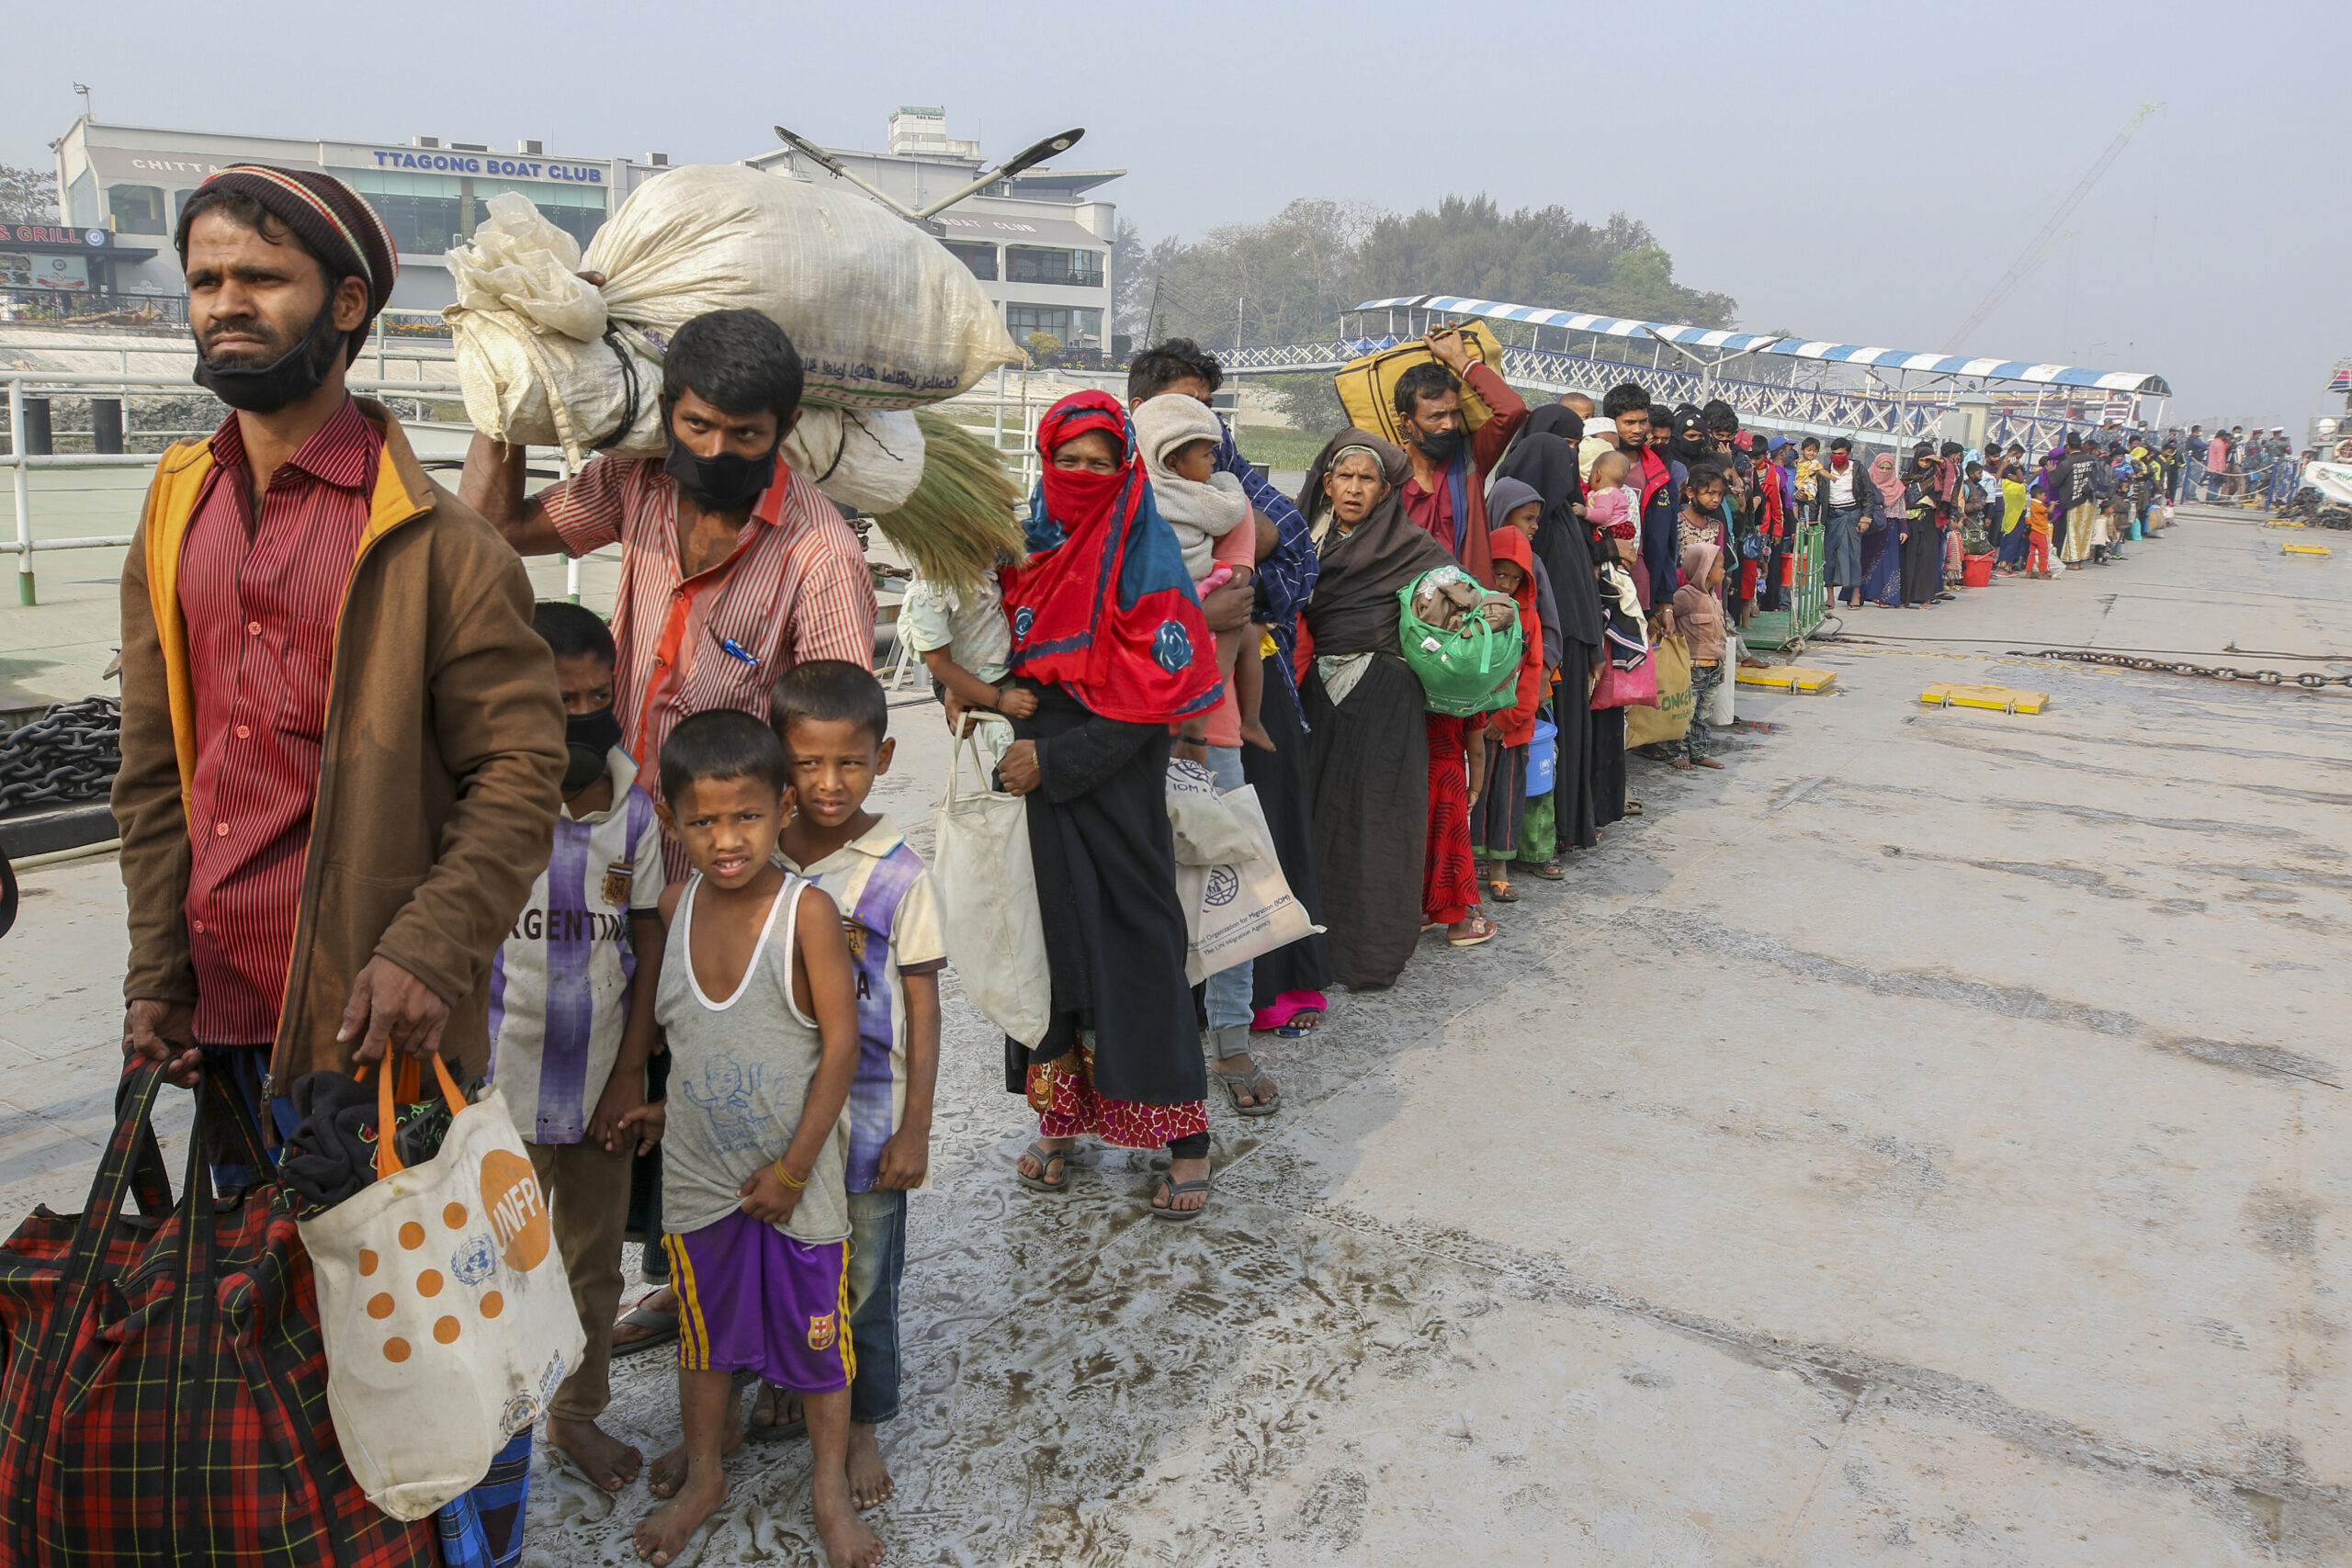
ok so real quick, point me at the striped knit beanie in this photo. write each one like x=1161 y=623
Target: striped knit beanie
x=331 y=220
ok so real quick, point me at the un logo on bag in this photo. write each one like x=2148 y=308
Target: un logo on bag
x=1171 y=647
x=1224 y=884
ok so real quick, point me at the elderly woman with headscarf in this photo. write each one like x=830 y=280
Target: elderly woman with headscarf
x=1883 y=537
x=1107 y=633
x=1368 y=743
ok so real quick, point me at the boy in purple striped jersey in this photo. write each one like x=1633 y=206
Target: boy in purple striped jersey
x=834 y=721
x=570 y=1029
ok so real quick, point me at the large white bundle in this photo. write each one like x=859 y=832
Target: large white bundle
x=883 y=316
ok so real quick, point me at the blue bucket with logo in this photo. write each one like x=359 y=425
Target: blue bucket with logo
x=1543 y=758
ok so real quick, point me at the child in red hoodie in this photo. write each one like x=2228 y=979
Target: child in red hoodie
x=1496 y=815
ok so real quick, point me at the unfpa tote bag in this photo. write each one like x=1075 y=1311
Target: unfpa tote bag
x=447 y=1311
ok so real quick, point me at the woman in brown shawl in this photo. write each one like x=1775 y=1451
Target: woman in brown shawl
x=1367 y=745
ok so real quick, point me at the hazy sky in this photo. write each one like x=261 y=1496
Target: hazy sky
x=1858 y=173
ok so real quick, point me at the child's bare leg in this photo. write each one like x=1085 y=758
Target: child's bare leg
x=1250 y=691
x=697 y=1487
x=848 y=1543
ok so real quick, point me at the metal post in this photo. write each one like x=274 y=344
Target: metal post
x=24 y=499
x=571 y=565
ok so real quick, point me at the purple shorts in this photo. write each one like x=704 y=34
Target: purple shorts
x=751 y=1299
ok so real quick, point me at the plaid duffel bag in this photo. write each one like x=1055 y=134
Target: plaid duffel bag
x=164 y=1392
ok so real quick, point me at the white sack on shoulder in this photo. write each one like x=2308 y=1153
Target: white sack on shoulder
x=520 y=262
x=869 y=458
x=882 y=314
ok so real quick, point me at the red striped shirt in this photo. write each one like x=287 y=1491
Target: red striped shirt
x=798 y=588
x=261 y=597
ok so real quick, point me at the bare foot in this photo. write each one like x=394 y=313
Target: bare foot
x=1682 y=765
x=869 y=1479
x=848 y=1543
x=1184 y=1170
x=777 y=1407
x=664 y=1532
x=1706 y=763
x=670 y=1470
x=609 y=1462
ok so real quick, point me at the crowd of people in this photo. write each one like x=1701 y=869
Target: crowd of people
x=374 y=799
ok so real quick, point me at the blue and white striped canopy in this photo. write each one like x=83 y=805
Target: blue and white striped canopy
x=1799 y=348
x=1960 y=365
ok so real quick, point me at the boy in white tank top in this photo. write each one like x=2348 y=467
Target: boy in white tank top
x=759 y=1001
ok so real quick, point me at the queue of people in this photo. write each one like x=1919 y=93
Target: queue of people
x=374 y=800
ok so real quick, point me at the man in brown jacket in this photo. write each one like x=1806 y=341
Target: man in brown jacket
x=341 y=740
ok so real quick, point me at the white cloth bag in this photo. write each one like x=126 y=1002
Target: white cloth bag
x=446 y=1308
x=1719 y=701
x=985 y=883
x=1206 y=830
x=1241 y=910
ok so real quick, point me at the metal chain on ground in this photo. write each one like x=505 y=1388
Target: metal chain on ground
x=67 y=755
x=2310 y=681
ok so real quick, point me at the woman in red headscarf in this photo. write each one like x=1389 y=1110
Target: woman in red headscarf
x=1108 y=634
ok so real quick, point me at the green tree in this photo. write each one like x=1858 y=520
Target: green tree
x=1288 y=278
x=27 y=195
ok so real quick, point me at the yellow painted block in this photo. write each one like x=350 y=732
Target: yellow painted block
x=1788 y=678
x=2305 y=550
x=2005 y=699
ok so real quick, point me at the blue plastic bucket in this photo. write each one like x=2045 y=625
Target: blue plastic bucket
x=1542 y=757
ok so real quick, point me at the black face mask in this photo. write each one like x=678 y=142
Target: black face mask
x=294 y=375
x=587 y=739
x=1437 y=446
x=728 y=482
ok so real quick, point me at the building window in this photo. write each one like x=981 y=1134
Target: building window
x=81 y=202
x=1076 y=269
x=981 y=259
x=180 y=198
x=1076 y=329
x=136 y=209
x=428 y=213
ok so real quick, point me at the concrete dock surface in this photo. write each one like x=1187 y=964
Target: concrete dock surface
x=1920 y=1142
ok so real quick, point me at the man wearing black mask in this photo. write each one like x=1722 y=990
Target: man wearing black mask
x=734 y=568
x=1447 y=494
x=297 y=554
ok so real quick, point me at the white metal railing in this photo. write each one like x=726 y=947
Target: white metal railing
x=89 y=383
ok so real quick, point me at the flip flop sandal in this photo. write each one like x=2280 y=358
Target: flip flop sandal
x=1633 y=809
x=1044 y=1158
x=1238 y=1084
x=1550 y=870
x=662 y=1324
x=1303 y=1022
x=1482 y=930
x=1175 y=1189
x=784 y=1431
x=1502 y=892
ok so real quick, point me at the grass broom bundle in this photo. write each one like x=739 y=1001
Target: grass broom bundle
x=964 y=512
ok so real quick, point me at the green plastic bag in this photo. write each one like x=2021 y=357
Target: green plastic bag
x=1474 y=670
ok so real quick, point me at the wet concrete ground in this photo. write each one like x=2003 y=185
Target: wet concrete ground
x=1918 y=1142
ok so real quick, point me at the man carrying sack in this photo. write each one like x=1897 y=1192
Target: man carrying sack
x=341 y=740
